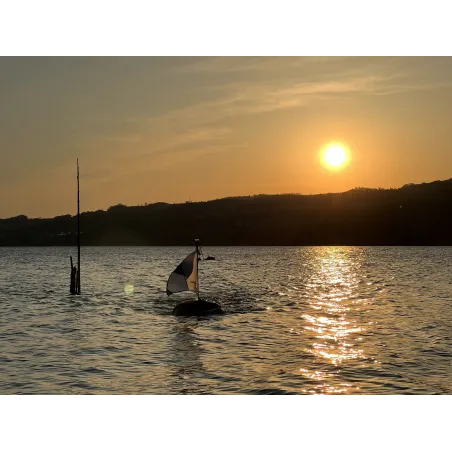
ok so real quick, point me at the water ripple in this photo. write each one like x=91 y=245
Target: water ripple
x=306 y=320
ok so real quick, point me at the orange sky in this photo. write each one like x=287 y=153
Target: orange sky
x=174 y=129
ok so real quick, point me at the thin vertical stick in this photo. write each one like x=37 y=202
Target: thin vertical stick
x=197 y=265
x=78 y=230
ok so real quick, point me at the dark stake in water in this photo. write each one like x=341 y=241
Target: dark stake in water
x=320 y=320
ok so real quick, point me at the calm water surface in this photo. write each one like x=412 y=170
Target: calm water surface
x=320 y=320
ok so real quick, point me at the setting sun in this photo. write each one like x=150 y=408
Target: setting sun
x=335 y=156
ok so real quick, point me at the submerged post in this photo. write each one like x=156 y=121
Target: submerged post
x=197 y=265
x=78 y=231
x=72 y=288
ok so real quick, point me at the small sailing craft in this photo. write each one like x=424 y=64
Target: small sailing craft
x=186 y=278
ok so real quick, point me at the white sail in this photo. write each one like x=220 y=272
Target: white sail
x=185 y=277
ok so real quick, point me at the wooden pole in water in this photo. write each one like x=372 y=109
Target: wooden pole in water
x=197 y=264
x=72 y=285
x=78 y=230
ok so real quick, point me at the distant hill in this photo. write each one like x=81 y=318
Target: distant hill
x=415 y=214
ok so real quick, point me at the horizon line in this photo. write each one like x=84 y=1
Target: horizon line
x=226 y=197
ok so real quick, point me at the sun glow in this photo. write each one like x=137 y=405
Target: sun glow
x=335 y=156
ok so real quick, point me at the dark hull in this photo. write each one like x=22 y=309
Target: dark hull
x=197 y=308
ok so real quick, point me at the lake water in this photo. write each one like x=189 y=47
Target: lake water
x=300 y=320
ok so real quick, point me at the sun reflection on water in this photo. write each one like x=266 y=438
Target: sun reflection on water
x=333 y=334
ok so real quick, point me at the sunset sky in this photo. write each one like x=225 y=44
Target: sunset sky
x=175 y=129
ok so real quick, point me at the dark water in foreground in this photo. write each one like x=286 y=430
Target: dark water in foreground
x=320 y=320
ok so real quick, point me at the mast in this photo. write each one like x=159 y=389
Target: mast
x=197 y=266
x=78 y=230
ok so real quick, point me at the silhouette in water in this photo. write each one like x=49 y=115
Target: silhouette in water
x=73 y=280
x=75 y=271
x=186 y=278
x=73 y=287
x=77 y=281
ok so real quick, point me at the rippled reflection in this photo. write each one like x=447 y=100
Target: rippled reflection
x=186 y=353
x=314 y=320
x=333 y=333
